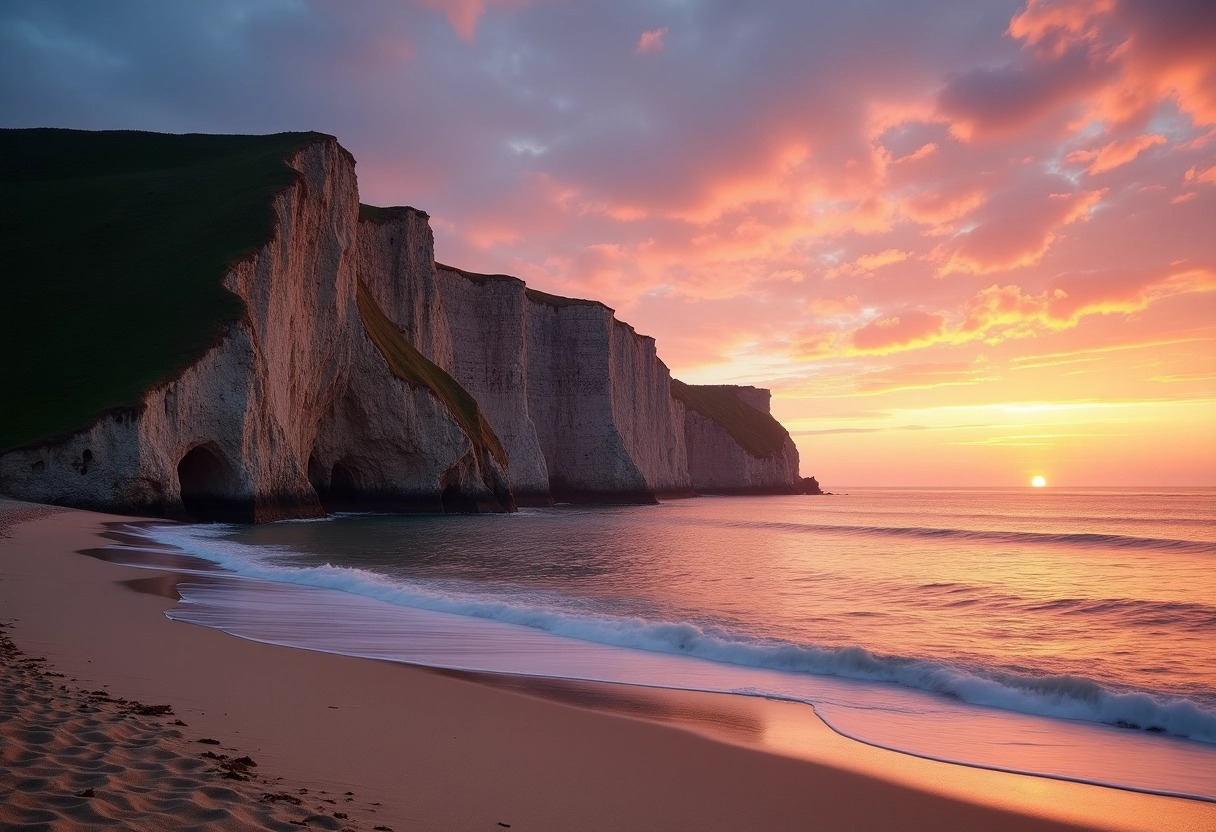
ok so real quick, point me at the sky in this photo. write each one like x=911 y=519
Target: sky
x=963 y=242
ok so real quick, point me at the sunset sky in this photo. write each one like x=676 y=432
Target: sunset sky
x=965 y=243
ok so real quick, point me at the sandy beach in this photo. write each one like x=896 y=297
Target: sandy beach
x=157 y=724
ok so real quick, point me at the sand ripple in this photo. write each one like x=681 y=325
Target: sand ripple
x=74 y=760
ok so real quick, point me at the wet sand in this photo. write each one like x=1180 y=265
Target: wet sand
x=423 y=749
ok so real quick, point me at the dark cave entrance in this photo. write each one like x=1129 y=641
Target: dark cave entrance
x=316 y=475
x=342 y=491
x=455 y=501
x=209 y=487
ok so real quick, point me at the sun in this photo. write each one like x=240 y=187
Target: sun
x=1038 y=482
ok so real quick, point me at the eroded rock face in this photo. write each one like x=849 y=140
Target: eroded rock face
x=387 y=446
x=719 y=464
x=294 y=381
x=486 y=318
x=302 y=405
x=396 y=261
x=252 y=403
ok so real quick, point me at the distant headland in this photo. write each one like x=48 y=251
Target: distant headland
x=213 y=327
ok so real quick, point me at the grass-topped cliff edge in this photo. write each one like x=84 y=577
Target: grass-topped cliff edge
x=757 y=432
x=114 y=246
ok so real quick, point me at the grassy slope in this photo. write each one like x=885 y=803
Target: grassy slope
x=113 y=246
x=757 y=432
x=417 y=370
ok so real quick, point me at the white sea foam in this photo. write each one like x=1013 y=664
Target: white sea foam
x=1065 y=697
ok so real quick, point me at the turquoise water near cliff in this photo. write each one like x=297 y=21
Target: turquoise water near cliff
x=1070 y=633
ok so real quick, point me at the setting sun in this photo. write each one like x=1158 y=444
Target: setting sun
x=1038 y=482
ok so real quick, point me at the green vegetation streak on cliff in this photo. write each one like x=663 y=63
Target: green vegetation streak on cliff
x=756 y=431
x=416 y=370
x=113 y=248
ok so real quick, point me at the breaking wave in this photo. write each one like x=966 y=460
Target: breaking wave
x=1067 y=697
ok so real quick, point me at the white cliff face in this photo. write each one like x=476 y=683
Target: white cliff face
x=396 y=261
x=601 y=403
x=718 y=463
x=486 y=317
x=252 y=403
x=645 y=413
x=388 y=446
x=305 y=403
x=294 y=380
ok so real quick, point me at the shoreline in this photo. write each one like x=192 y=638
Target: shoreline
x=443 y=750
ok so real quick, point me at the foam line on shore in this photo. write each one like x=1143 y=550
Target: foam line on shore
x=1061 y=697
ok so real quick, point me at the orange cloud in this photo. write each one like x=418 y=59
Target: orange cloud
x=1157 y=53
x=651 y=41
x=1051 y=23
x=464 y=14
x=1002 y=312
x=901 y=332
x=1018 y=236
x=941 y=206
x=1194 y=175
x=867 y=263
x=922 y=377
x=1115 y=154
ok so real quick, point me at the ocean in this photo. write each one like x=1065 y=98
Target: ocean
x=1067 y=633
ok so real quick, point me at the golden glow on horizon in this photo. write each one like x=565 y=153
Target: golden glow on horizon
x=1038 y=482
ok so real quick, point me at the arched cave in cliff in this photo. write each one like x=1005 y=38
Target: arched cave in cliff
x=316 y=475
x=209 y=486
x=342 y=492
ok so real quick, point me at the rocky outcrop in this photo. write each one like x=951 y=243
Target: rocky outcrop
x=734 y=444
x=362 y=375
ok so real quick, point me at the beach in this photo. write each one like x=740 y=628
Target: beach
x=414 y=748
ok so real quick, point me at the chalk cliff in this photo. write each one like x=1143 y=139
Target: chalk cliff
x=362 y=375
x=295 y=383
x=735 y=446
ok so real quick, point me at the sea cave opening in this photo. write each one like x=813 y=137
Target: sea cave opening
x=209 y=486
x=454 y=500
x=343 y=491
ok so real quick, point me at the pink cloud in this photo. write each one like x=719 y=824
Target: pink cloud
x=465 y=14
x=900 y=332
x=999 y=102
x=651 y=41
x=1115 y=154
x=1017 y=231
x=867 y=263
x=1002 y=312
x=1194 y=175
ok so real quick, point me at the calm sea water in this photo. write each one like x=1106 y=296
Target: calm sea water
x=1066 y=633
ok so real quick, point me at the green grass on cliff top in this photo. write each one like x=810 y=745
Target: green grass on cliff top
x=756 y=431
x=415 y=369
x=113 y=246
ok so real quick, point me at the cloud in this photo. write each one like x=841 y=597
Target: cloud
x=1194 y=175
x=867 y=263
x=465 y=14
x=899 y=332
x=1015 y=228
x=1002 y=312
x=989 y=103
x=651 y=41
x=1115 y=154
